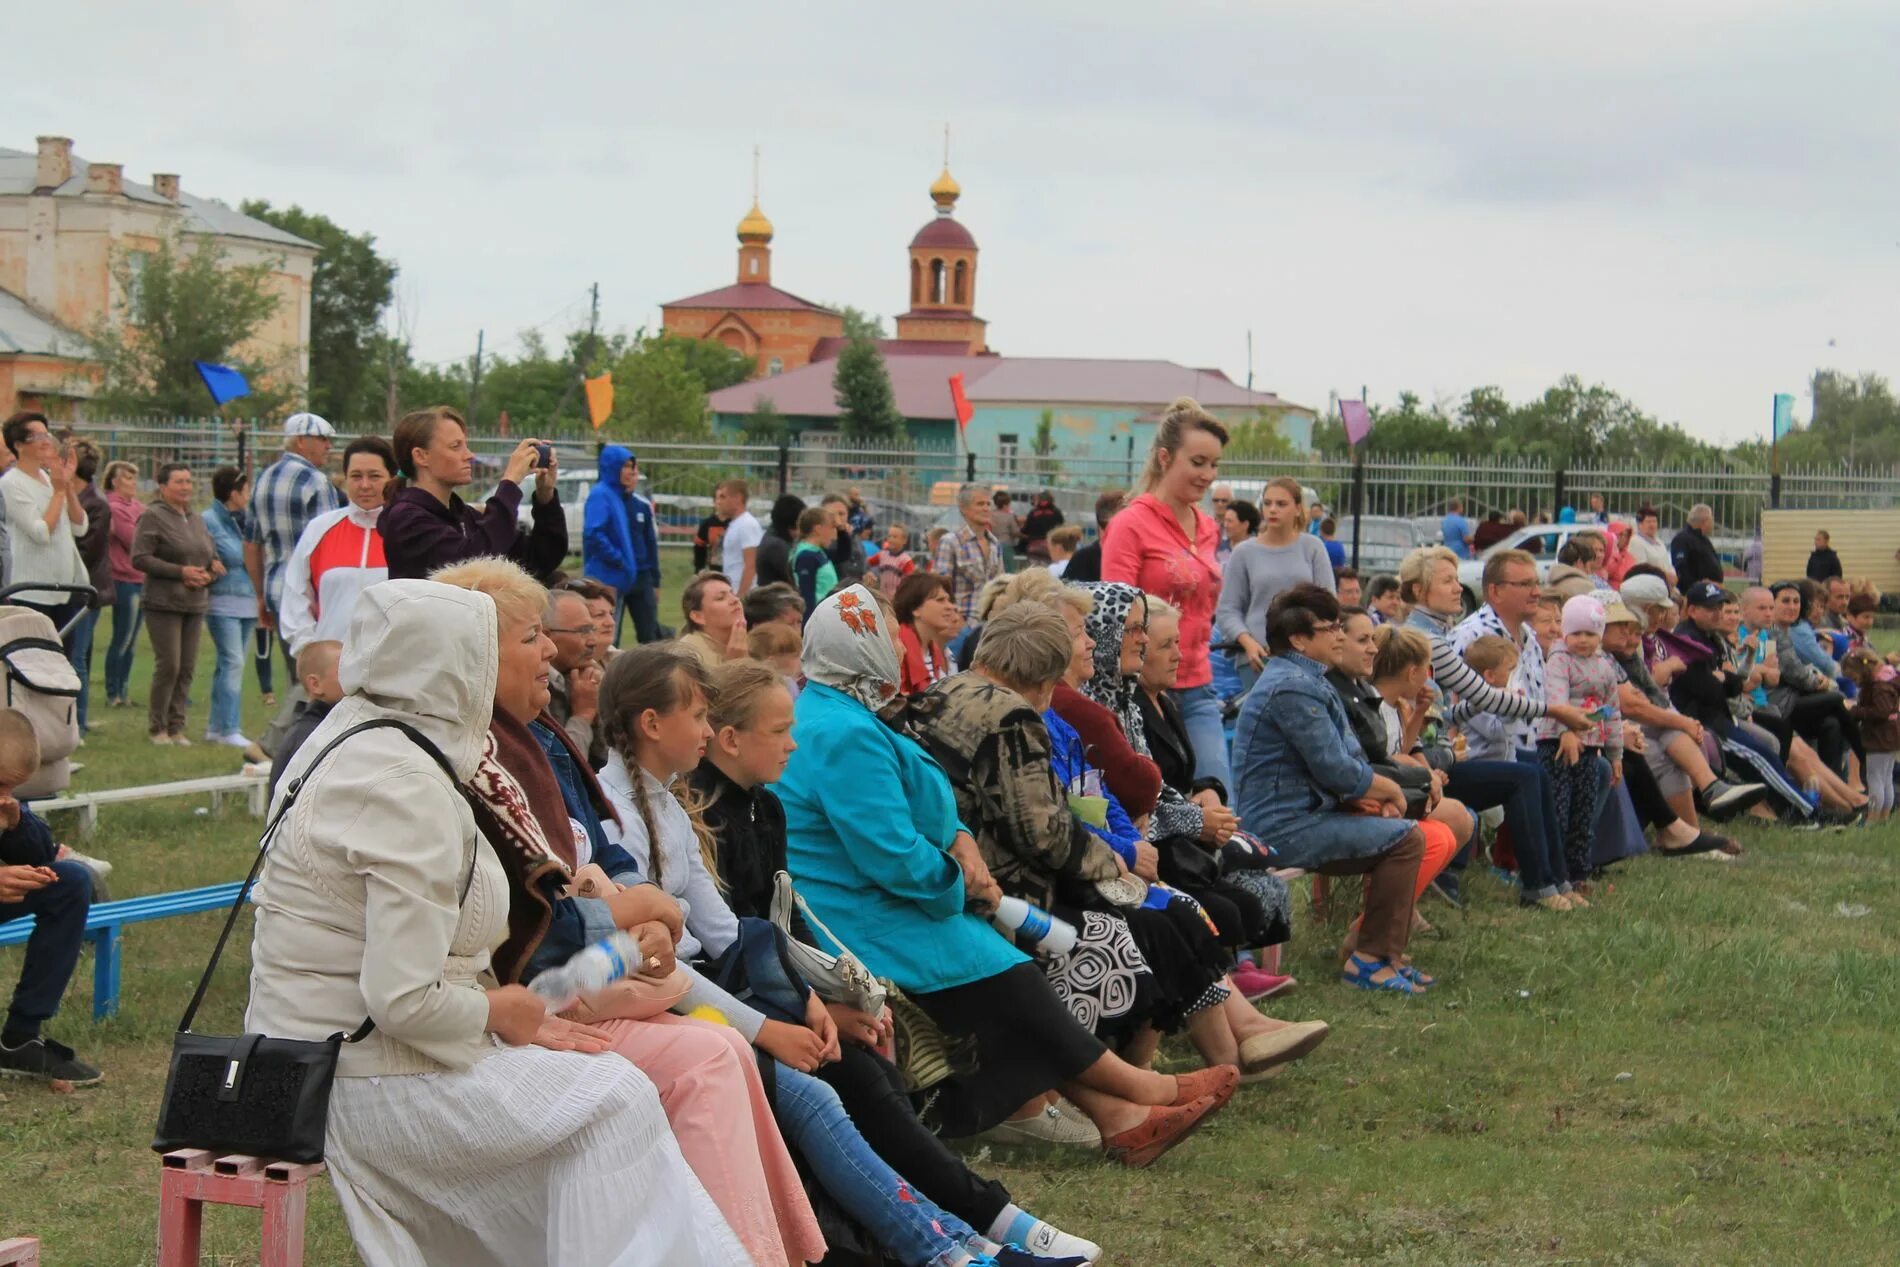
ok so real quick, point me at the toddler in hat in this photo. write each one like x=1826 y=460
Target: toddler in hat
x=1581 y=673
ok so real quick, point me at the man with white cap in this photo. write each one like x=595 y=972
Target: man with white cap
x=290 y=492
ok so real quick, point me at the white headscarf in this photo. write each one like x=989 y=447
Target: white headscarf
x=848 y=648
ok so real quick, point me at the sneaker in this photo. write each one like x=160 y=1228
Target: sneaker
x=161 y=740
x=1165 y=1126
x=43 y=1058
x=99 y=867
x=1052 y=1242
x=1255 y=983
x=179 y=741
x=1051 y=1126
x=1015 y=1256
x=1445 y=885
x=1722 y=800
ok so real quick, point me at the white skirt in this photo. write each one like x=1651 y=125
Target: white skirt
x=531 y=1157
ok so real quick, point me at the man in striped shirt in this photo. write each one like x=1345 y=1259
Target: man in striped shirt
x=969 y=557
x=290 y=493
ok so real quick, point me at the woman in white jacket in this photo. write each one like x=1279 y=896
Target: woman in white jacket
x=468 y=1126
x=340 y=554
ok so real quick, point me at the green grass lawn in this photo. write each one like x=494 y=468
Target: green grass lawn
x=1698 y=1070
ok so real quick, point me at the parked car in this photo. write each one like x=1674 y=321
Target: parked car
x=1383 y=543
x=1541 y=541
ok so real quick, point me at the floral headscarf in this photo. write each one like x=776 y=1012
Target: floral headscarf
x=848 y=648
x=1108 y=624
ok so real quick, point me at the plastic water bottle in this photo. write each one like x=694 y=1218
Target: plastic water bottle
x=1033 y=929
x=601 y=964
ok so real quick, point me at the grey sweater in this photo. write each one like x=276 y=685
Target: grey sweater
x=1257 y=573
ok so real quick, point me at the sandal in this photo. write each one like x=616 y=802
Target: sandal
x=1422 y=980
x=1360 y=970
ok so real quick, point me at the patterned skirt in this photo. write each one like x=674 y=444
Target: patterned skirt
x=1105 y=982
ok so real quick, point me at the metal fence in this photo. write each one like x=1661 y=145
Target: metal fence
x=683 y=475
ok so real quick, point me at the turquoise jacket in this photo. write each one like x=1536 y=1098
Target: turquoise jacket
x=869 y=820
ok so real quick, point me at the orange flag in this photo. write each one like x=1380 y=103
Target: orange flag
x=600 y=398
x=960 y=402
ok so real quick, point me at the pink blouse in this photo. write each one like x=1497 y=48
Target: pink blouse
x=1145 y=547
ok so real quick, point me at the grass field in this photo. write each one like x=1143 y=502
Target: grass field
x=1698 y=1070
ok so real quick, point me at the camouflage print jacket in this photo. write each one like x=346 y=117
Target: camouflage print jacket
x=995 y=750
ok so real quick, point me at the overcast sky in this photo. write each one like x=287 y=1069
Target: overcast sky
x=1684 y=200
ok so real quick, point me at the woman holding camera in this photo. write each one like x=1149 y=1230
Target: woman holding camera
x=429 y=526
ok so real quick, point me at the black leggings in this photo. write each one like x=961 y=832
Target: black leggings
x=872 y=1092
x=1822 y=721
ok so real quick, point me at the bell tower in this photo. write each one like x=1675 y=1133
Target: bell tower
x=755 y=238
x=943 y=273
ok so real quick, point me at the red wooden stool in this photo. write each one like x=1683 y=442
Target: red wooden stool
x=20 y=1251
x=193 y=1177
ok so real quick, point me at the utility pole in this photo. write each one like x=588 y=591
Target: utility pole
x=586 y=357
x=475 y=378
x=593 y=324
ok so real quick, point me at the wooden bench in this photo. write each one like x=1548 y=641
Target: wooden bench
x=256 y=787
x=192 y=1178
x=20 y=1251
x=105 y=920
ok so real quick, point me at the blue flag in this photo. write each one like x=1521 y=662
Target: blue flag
x=1784 y=414
x=223 y=382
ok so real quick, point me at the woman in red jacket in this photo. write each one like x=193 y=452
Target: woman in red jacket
x=1165 y=544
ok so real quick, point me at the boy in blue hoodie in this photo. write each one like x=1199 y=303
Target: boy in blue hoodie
x=620 y=543
x=35 y=881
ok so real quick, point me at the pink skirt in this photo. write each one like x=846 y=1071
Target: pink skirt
x=701 y=1071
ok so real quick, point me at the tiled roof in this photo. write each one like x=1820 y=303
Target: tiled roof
x=921 y=384
x=944 y=231
x=748 y=296
x=828 y=348
x=19 y=172
x=24 y=329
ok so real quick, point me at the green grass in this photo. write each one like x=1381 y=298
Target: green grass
x=1485 y=1123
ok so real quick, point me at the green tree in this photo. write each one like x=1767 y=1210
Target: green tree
x=1045 y=442
x=765 y=424
x=657 y=389
x=859 y=324
x=713 y=363
x=350 y=288
x=180 y=303
x=1259 y=437
x=864 y=394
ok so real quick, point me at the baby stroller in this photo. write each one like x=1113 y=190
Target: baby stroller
x=41 y=683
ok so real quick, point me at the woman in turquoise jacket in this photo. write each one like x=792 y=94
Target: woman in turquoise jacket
x=873 y=841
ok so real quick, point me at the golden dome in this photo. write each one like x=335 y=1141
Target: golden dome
x=944 y=191
x=755 y=227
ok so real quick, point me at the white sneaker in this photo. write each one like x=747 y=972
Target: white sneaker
x=232 y=740
x=1049 y=1241
x=98 y=866
x=1051 y=1126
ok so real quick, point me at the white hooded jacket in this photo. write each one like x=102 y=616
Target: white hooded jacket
x=359 y=907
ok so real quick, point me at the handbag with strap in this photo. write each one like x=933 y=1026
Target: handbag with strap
x=840 y=978
x=268 y=1097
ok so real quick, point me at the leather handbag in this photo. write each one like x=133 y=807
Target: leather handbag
x=840 y=978
x=252 y=1093
x=631 y=999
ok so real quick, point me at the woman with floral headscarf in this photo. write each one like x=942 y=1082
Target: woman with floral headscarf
x=874 y=842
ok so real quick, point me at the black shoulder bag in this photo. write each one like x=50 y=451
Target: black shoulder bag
x=268 y=1097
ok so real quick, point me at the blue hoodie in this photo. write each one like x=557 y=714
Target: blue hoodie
x=619 y=544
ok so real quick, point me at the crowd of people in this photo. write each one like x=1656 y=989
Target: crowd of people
x=1043 y=800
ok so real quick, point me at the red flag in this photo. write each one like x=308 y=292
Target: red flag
x=960 y=401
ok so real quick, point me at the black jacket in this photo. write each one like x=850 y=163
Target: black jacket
x=748 y=827
x=1694 y=559
x=1170 y=748
x=1696 y=691
x=1087 y=563
x=28 y=845
x=1824 y=564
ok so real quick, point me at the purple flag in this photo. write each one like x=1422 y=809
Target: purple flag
x=1358 y=420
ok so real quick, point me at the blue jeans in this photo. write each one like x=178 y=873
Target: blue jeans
x=127 y=615
x=1523 y=789
x=231 y=635
x=52 y=952
x=1201 y=714
x=644 y=603
x=79 y=652
x=904 y=1222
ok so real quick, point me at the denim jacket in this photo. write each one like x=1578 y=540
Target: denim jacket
x=228 y=534
x=1294 y=754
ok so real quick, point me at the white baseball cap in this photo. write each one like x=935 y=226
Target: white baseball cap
x=308 y=425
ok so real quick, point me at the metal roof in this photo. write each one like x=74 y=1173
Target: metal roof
x=19 y=174
x=921 y=385
x=24 y=329
x=748 y=297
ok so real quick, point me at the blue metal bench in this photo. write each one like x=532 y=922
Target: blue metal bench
x=105 y=920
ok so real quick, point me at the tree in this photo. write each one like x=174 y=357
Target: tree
x=863 y=387
x=1259 y=437
x=350 y=288
x=859 y=324
x=765 y=424
x=656 y=387
x=180 y=303
x=1045 y=442
x=713 y=363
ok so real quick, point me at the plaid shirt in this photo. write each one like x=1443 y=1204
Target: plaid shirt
x=1527 y=679
x=290 y=493
x=969 y=561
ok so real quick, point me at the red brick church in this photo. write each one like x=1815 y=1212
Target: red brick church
x=783 y=331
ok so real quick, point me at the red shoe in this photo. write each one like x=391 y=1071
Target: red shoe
x=1216 y=1082
x=1255 y=984
x=1167 y=1125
